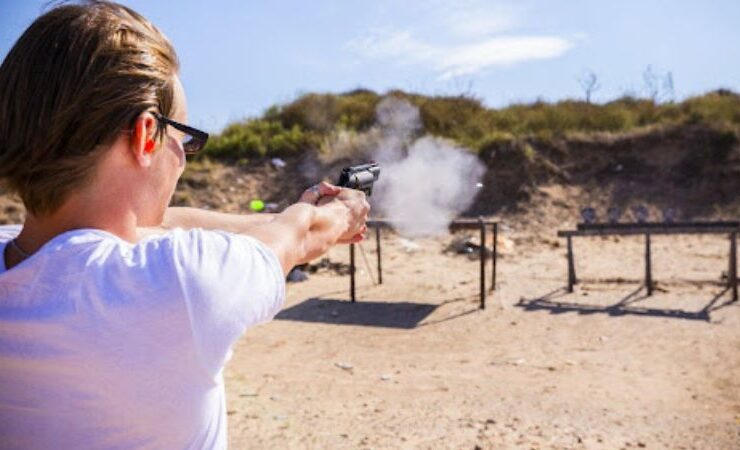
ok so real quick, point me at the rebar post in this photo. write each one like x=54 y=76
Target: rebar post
x=352 y=272
x=494 y=256
x=648 y=266
x=571 y=266
x=482 y=227
x=732 y=273
x=377 y=247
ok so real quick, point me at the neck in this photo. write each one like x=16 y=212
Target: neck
x=78 y=213
x=107 y=202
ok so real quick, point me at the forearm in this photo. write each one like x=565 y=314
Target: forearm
x=317 y=231
x=187 y=218
x=302 y=232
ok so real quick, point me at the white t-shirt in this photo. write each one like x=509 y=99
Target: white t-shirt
x=107 y=344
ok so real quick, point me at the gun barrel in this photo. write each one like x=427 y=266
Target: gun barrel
x=360 y=177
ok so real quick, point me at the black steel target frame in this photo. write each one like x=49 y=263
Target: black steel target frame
x=729 y=228
x=469 y=224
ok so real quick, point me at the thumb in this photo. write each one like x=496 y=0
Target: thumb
x=328 y=189
x=313 y=194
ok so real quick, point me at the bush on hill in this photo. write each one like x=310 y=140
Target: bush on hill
x=309 y=120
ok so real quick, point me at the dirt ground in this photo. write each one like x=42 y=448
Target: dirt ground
x=415 y=364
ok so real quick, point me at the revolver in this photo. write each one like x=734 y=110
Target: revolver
x=360 y=177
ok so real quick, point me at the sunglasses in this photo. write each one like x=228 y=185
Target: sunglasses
x=194 y=139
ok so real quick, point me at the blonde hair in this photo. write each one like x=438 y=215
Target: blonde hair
x=77 y=77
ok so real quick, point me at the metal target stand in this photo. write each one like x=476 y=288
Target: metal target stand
x=648 y=229
x=467 y=224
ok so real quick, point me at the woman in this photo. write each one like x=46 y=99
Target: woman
x=117 y=314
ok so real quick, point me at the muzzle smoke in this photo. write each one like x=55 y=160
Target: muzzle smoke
x=426 y=181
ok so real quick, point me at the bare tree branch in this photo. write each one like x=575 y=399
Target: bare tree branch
x=652 y=83
x=659 y=87
x=589 y=83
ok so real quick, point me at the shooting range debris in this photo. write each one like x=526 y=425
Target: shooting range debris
x=505 y=245
x=344 y=366
x=464 y=245
x=326 y=264
x=297 y=275
x=409 y=246
x=278 y=163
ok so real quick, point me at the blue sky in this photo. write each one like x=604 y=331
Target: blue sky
x=240 y=57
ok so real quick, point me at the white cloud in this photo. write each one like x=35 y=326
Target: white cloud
x=457 y=59
x=389 y=44
x=470 y=18
x=499 y=51
x=456 y=37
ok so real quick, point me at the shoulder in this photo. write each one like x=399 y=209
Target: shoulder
x=208 y=251
x=226 y=278
x=198 y=242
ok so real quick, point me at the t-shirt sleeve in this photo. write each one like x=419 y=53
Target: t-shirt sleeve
x=8 y=232
x=229 y=282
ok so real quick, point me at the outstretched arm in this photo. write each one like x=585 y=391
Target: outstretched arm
x=184 y=217
x=188 y=218
x=299 y=234
x=303 y=231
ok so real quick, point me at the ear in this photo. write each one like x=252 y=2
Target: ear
x=143 y=139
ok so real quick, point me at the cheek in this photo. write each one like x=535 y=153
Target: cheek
x=175 y=165
x=170 y=165
x=179 y=154
x=172 y=159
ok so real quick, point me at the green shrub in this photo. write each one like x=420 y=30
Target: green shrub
x=313 y=119
x=494 y=139
x=259 y=138
x=715 y=107
x=323 y=112
x=528 y=152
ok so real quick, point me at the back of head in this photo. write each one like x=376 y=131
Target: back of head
x=75 y=79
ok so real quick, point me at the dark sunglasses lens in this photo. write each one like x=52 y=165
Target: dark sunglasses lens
x=191 y=144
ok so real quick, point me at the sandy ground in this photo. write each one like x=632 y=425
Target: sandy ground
x=415 y=364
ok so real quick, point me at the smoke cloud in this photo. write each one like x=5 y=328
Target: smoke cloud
x=425 y=181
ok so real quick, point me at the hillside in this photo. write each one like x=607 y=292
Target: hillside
x=544 y=161
x=311 y=121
